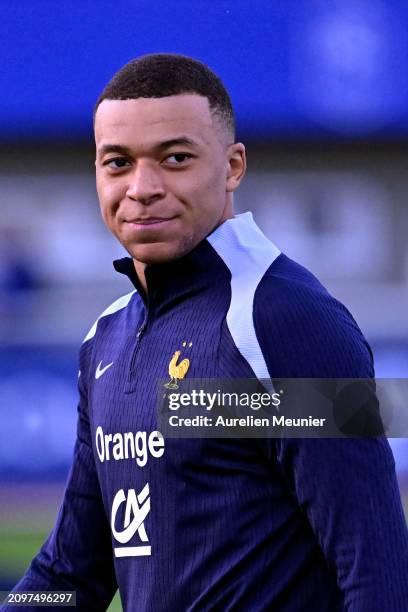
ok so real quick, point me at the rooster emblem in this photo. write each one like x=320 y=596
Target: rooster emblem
x=177 y=371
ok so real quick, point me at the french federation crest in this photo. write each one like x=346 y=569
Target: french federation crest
x=178 y=370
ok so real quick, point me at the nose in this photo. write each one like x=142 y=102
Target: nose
x=146 y=184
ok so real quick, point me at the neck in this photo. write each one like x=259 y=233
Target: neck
x=140 y=271
x=140 y=267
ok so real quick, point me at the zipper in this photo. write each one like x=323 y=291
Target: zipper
x=130 y=383
x=139 y=336
x=141 y=329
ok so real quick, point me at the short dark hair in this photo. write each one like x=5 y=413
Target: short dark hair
x=167 y=74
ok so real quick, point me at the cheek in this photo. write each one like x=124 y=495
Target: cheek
x=108 y=196
x=204 y=189
x=208 y=196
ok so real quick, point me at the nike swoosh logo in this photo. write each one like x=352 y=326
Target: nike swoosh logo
x=100 y=371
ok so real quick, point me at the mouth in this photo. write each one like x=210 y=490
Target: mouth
x=146 y=223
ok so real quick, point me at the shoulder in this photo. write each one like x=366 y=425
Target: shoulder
x=303 y=330
x=115 y=307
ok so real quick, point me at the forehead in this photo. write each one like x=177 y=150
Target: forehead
x=147 y=120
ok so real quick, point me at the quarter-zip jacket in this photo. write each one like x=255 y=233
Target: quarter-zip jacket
x=223 y=524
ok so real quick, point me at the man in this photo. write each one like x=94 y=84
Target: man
x=210 y=524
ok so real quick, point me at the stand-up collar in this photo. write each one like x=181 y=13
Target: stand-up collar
x=208 y=264
x=180 y=279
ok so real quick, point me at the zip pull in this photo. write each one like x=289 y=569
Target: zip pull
x=141 y=330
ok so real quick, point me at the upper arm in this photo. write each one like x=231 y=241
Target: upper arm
x=346 y=487
x=304 y=332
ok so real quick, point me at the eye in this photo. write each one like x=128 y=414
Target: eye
x=116 y=163
x=176 y=159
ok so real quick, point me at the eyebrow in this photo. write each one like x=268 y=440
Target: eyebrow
x=158 y=147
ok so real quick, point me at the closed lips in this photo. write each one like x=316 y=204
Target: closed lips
x=150 y=221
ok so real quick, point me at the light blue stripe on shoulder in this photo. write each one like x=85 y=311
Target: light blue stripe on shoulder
x=248 y=253
x=120 y=303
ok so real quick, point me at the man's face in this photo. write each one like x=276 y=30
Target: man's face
x=165 y=173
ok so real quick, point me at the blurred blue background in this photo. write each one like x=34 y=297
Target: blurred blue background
x=299 y=68
x=321 y=96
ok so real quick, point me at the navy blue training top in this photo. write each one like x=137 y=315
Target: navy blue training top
x=223 y=524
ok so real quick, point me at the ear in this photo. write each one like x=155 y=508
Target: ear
x=236 y=165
